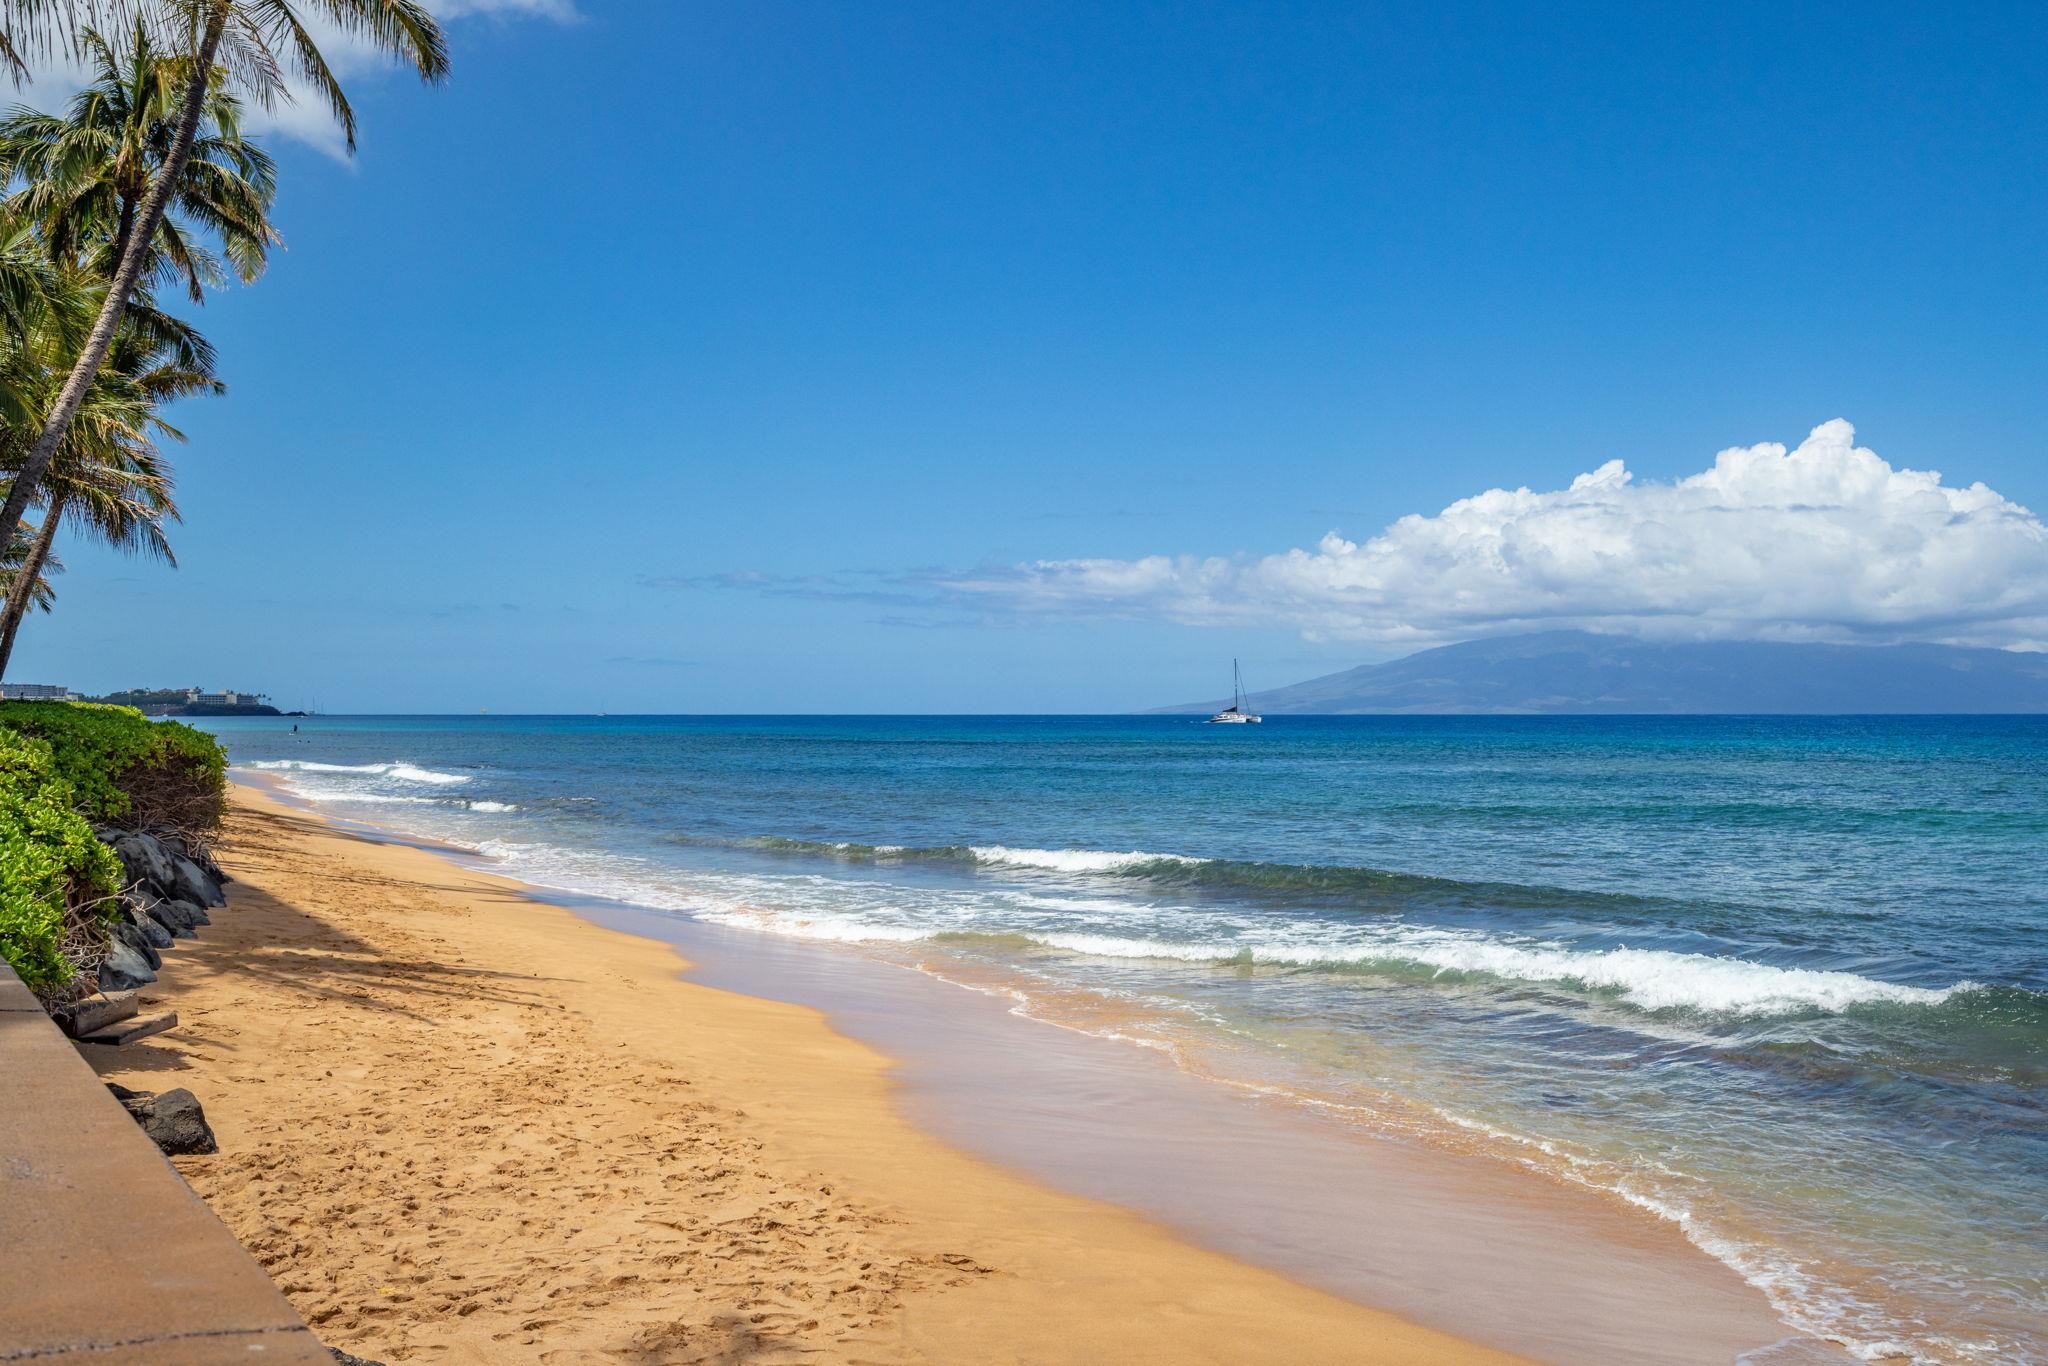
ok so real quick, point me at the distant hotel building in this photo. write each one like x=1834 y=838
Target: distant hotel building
x=222 y=699
x=36 y=692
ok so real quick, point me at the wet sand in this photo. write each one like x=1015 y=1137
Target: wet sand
x=1471 y=1245
x=458 y=1124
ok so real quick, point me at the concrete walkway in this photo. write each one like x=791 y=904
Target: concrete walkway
x=108 y=1255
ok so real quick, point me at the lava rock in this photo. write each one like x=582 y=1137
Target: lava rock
x=171 y=916
x=173 y=1120
x=156 y=931
x=146 y=862
x=128 y=933
x=206 y=863
x=192 y=884
x=191 y=912
x=124 y=969
x=342 y=1358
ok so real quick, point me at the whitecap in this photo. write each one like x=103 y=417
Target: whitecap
x=312 y=766
x=397 y=770
x=1073 y=860
x=1649 y=979
x=411 y=773
x=364 y=798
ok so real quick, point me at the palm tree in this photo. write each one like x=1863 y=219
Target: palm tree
x=122 y=502
x=256 y=42
x=109 y=479
x=37 y=296
x=81 y=176
x=41 y=595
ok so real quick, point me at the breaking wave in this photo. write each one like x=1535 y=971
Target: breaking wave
x=1645 y=979
x=1350 y=884
x=1078 y=860
x=397 y=770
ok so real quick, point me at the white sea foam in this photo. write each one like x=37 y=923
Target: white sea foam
x=398 y=770
x=310 y=766
x=1073 y=860
x=1649 y=979
x=1655 y=979
x=836 y=929
x=365 y=798
x=591 y=872
x=707 y=897
x=826 y=909
x=409 y=773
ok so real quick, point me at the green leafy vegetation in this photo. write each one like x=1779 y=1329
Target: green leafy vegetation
x=57 y=882
x=144 y=697
x=123 y=768
x=66 y=767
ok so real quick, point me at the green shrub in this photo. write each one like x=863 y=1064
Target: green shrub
x=57 y=882
x=126 y=769
x=64 y=767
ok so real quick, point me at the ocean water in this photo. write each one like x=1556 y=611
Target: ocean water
x=1782 y=981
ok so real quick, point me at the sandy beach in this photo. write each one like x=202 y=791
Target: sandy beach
x=1022 y=683
x=457 y=1124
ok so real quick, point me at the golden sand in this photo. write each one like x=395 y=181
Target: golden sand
x=459 y=1125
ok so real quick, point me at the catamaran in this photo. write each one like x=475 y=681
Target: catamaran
x=1235 y=714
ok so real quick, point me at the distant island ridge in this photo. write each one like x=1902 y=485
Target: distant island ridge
x=1579 y=673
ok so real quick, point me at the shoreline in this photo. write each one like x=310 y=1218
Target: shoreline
x=459 y=1123
x=1454 y=1238
x=1466 y=1243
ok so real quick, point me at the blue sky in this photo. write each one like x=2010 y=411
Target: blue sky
x=761 y=357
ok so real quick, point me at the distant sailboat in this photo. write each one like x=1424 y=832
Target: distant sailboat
x=1235 y=714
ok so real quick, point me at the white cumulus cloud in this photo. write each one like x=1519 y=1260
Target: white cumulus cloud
x=297 y=113
x=1825 y=541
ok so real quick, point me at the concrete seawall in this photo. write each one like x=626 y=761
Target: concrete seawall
x=109 y=1256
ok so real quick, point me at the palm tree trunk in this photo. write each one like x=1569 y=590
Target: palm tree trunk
x=29 y=479
x=23 y=590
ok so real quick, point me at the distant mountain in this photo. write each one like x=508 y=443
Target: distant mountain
x=1573 y=673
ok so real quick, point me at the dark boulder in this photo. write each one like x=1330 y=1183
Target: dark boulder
x=190 y=883
x=201 y=856
x=128 y=933
x=173 y=1120
x=124 y=969
x=146 y=862
x=158 y=932
x=179 y=917
x=342 y=1358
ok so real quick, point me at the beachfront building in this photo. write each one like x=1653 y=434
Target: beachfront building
x=222 y=699
x=36 y=692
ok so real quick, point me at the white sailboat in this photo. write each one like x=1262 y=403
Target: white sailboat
x=1235 y=714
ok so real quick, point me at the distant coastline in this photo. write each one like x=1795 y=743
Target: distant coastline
x=191 y=702
x=217 y=709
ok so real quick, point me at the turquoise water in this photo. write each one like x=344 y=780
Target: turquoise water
x=1781 y=980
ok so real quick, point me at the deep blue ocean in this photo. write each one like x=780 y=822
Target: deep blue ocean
x=1783 y=981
